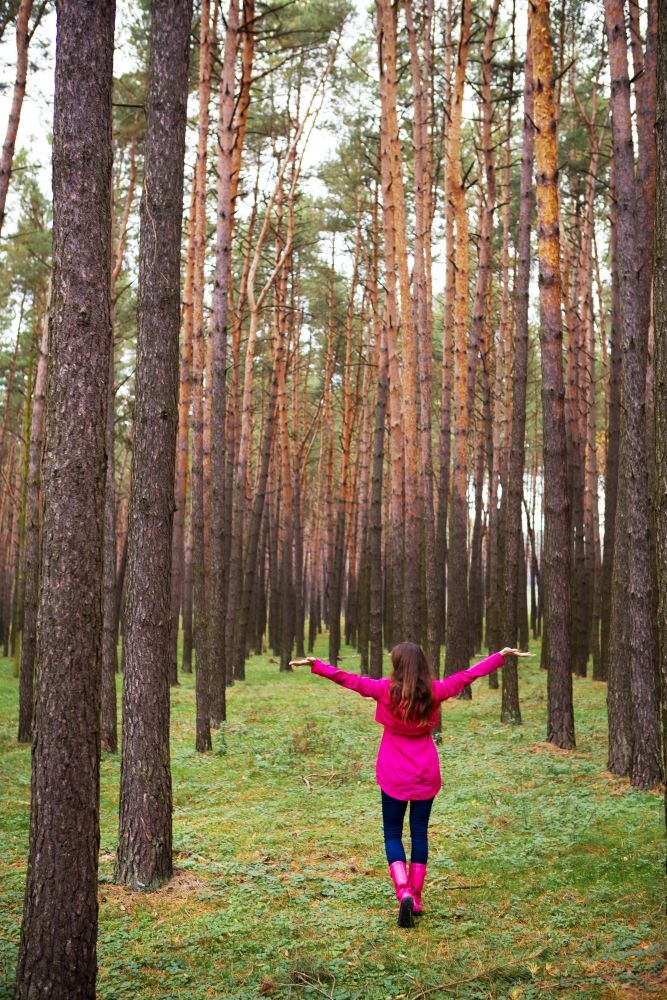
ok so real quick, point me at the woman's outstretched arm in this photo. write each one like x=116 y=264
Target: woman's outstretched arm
x=367 y=687
x=453 y=685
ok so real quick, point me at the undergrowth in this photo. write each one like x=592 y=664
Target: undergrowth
x=545 y=874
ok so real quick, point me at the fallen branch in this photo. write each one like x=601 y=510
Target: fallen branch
x=448 y=987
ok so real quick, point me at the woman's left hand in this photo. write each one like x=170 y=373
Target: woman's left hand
x=513 y=652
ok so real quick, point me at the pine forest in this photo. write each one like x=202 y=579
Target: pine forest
x=333 y=334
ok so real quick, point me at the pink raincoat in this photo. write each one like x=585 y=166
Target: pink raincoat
x=408 y=766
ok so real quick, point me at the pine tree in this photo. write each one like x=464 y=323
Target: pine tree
x=57 y=953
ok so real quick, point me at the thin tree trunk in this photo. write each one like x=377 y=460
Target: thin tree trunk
x=32 y=535
x=186 y=662
x=445 y=444
x=423 y=170
x=394 y=619
x=182 y=442
x=560 y=722
x=227 y=139
x=7 y=408
x=109 y=709
x=22 y=470
x=7 y=156
x=510 y=710
x=375 y=524
x=336 y=578
x=197 y=501
x=144 y=857
x=14 y=476
x=613 y=435
x=388 y=95
x=109 y=712
x=457 y=652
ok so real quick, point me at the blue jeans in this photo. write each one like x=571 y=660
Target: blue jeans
x=393 y=813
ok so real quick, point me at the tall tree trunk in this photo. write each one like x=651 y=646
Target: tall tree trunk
x=22 y=470
x=445 y=430
x=612 y=443
x=343 y=507
x=510 y=710
x=388 y=94
x=182 y=442
x=660 y=363
x=423 y=171
x=7 y=156
x=375 y=521
x=186 y=663
x=32 y=535
x=394 y=563
x=144 y=858
x=7 y=408
x=109 y=710
x=246 y=584
x=6 y=555
x=227 y=139
x=632 y=636
x=457 y=652
x=479 y=332
x=197 y=499
x=560 y=722
x=14 y=466
x=57 y=952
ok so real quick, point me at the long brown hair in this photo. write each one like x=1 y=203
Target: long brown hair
x=411 y=689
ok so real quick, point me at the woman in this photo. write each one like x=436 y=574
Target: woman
x=408 y=766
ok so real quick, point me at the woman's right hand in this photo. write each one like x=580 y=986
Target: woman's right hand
x=513 y=652
x=306 y=661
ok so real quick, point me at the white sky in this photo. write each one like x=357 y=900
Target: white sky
x=37 y=113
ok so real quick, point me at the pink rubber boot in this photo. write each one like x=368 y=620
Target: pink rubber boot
x=416 y=877
x=399 y=875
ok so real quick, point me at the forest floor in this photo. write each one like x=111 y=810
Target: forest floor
x=545 y=874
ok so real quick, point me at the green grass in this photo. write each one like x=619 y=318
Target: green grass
x=282 y=887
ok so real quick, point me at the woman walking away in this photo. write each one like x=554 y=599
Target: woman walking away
x=408 y=766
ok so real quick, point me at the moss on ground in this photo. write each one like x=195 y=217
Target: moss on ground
x=545 y=875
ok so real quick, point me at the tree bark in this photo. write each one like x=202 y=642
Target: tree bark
x=560 y=723
x=375 y=521
x=457 y=649
x=7 y=156
x=445 y=430
x=388 y=95
x=144 y=858
x=197 y=499
x=182 y=443
x=108 y=707
x=109 y=711
x=227 y=139
x=613 y=433
x=660 y=362
x=632 y=584
x=186 y=663
x=57 y=952
x=394 y=563
x=32 y=537
x=422 y=87
x=510 y=709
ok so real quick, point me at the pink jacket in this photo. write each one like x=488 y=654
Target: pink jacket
x=408 y=766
